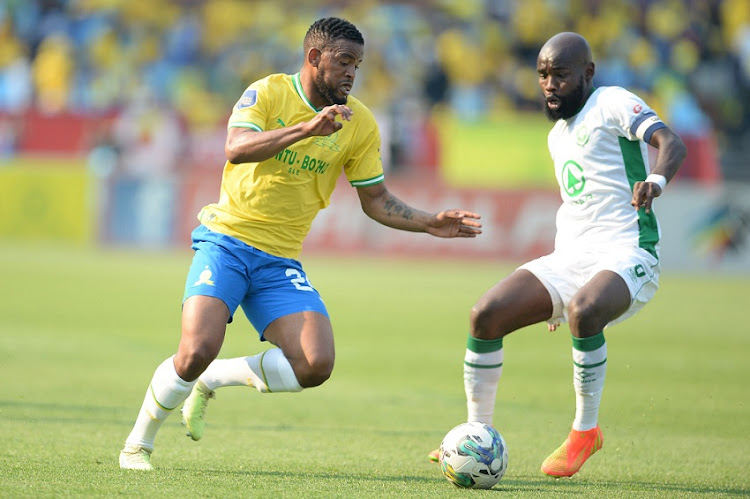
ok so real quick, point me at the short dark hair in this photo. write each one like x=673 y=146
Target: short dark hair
x=326 y=30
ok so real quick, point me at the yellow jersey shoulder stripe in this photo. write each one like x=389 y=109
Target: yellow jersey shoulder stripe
x=368 y=181
x=244 y=124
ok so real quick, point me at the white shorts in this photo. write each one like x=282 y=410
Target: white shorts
x=564 y=272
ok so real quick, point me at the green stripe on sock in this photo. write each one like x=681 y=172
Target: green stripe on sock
x=589 y=344
x=478 y=345
x=263 y=371
x=590 y=366
x=151 y=388
x=483 y=366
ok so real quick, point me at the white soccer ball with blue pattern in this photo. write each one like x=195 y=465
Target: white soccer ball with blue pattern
x=474 y=456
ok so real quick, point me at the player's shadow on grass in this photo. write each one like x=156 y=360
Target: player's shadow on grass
x=507 y=485
x=41 y=412
x=619 y=488
x=337 y=477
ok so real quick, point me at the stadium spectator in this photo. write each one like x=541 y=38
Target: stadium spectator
x=86 y=56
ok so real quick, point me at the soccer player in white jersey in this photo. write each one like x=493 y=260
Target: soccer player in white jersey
x=605 y=265
x=285 y=151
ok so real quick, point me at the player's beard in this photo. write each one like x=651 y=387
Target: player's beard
x=569 y=105
x=326 y=91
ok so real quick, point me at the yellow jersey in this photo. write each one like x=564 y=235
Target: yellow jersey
x=270 y=205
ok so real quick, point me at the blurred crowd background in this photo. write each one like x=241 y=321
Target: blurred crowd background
x=170 y=70
x=113 y=112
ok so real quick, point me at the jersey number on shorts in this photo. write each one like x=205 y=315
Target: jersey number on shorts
x=300 y=282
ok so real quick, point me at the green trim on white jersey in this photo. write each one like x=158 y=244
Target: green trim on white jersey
x=597 y=160
x=636 y=171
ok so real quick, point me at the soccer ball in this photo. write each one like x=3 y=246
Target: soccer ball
x=474 y=456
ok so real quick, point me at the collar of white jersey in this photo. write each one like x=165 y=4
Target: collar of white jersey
x=297 y=81
x=591 y=94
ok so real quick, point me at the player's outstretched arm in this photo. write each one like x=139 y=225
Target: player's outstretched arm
x=671 y=153
x=387 y=209
x=245 y=145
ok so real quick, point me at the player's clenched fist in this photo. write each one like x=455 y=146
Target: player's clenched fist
x=644 y=194
x=325 y=122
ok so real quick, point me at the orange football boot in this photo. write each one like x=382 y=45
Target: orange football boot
x=570 y=456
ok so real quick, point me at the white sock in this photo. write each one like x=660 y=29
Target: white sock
x=269 y=371
x=589 y=369
x=166 y=392
x=227 y=372
x=483 y=365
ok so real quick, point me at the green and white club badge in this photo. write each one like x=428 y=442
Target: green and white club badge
x=582 y=135
x=572 y=178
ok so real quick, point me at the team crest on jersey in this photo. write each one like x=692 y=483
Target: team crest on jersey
x=328 y=142
x=248 y=99
x=582 y=135
x=205 y=278
x=572 y=178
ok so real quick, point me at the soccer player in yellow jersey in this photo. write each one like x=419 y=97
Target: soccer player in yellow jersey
x=289 y=138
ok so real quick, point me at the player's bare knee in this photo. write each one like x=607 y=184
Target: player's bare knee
x=585 y=317
x=191 y=363
x=486 y=320
x=315 y=372
x=188 y=367
x=311 y=378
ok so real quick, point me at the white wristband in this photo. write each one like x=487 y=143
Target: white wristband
x=657 y=179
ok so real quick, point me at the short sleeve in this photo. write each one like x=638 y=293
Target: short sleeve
x=631 y=115
x=251 y=109
x=365 y=166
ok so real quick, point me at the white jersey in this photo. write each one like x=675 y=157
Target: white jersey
x=599 y=154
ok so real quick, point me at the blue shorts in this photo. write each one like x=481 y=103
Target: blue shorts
x=267 y=286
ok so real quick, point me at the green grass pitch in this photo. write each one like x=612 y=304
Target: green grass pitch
x=81 y=332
